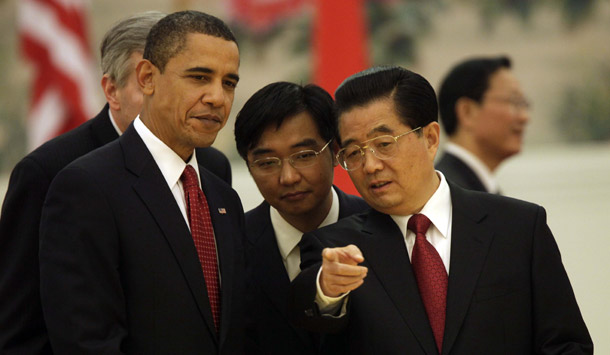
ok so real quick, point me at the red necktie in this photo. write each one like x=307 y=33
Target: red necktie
x=202 y=231
x=431 y=277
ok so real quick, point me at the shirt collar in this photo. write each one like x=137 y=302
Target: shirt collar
x=481 y=170
x=288 y=236
x=170 y=163
x=438 y=209
x=112 y=120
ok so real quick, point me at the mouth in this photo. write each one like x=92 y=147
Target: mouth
x=378 y=185
x=208 y=118
x=294 y=196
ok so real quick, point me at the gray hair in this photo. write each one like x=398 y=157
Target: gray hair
x=126 y=37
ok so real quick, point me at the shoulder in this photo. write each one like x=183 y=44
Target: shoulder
x=258 y=213
x=495 y=210
x=350 y=204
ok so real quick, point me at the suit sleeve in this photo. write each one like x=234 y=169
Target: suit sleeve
x=81 y=292
x=302 y=306
x=558 y=324
x=21 y=323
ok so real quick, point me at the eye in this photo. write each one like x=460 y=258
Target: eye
x=230 y=84
x=304 y=155
x=265 y=163
x=199 y=77
x=351 y=152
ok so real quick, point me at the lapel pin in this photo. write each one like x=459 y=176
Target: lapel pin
x=222 y=211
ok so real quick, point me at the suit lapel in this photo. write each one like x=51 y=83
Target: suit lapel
x=470 y=242
x=385 y=251
x=269 y=263
x=152 y=189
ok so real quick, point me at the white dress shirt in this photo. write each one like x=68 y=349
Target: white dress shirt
x=170 y=164
x=439 y=210
x=480 y=170
x=288 y=236
x=113 y=121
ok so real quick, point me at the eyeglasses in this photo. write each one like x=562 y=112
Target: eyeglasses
x=383 y=147
x=518 y=103
x=298 y=160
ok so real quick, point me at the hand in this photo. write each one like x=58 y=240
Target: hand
x=340 y=270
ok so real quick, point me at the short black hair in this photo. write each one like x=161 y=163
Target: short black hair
x=278 y=101
x=470 y=79
x=168 y=37
x=413 y=96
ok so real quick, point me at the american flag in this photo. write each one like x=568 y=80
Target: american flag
x=54 y=41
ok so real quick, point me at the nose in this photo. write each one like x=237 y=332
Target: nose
x=523 y=115
x=289 y=175
x=371 y=163
x=214 y=95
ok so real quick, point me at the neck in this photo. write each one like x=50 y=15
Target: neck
x=485 y=155
x=311 y=220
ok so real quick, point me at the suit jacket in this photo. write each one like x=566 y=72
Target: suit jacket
x=458 y=172
x=268 y=282
x=119 y=270
x=22 y=328
x=508 y=291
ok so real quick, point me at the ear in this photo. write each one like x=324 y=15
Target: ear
x=145 y=73
x=432 y=138
x=466 y=110
x=334 y=149
x=110 y=92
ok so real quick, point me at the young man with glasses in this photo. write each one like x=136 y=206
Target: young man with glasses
x=286 y=134
x=432 y=268
x=484 y=113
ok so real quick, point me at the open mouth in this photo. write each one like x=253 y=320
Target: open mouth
x=210 y=118
x=378 y=185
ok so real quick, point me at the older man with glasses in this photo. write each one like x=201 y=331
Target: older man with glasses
x=286 y=134
x=432 y=268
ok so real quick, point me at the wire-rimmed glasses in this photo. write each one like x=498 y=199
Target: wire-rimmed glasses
x=383 y=147
x=298 y=160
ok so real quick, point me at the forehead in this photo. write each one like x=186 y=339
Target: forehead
x=295 y=131
x=503 y=80
x=201 y=50
x=363 y=122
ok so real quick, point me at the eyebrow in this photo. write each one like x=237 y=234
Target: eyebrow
x=379 y=129
x=305 y=143
x=206 y=70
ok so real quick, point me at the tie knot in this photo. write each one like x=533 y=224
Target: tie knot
x=189 y=177
x=418 y=223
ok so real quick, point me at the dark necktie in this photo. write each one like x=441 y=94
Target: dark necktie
x=431 y=277
x=202 y=231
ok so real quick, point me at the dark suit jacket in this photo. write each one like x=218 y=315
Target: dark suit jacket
x=457 y=171
x=118 y=266
x=268 y=282
x=508 y=292
x=22 y=329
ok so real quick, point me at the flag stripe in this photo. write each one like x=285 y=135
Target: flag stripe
x=54 y=41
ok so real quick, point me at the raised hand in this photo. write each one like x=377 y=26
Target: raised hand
x=340 y=270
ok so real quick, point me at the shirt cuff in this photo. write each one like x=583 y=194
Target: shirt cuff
x=330 y=306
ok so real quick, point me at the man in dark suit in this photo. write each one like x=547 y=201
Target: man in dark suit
x=129 y=231
x=22 y=328
x=285 y=132
x=432 y=268
x=484 y=113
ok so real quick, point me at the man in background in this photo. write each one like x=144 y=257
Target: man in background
x=22 y=328
x=484 y=113
x=140 y=246
x=286 y=134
